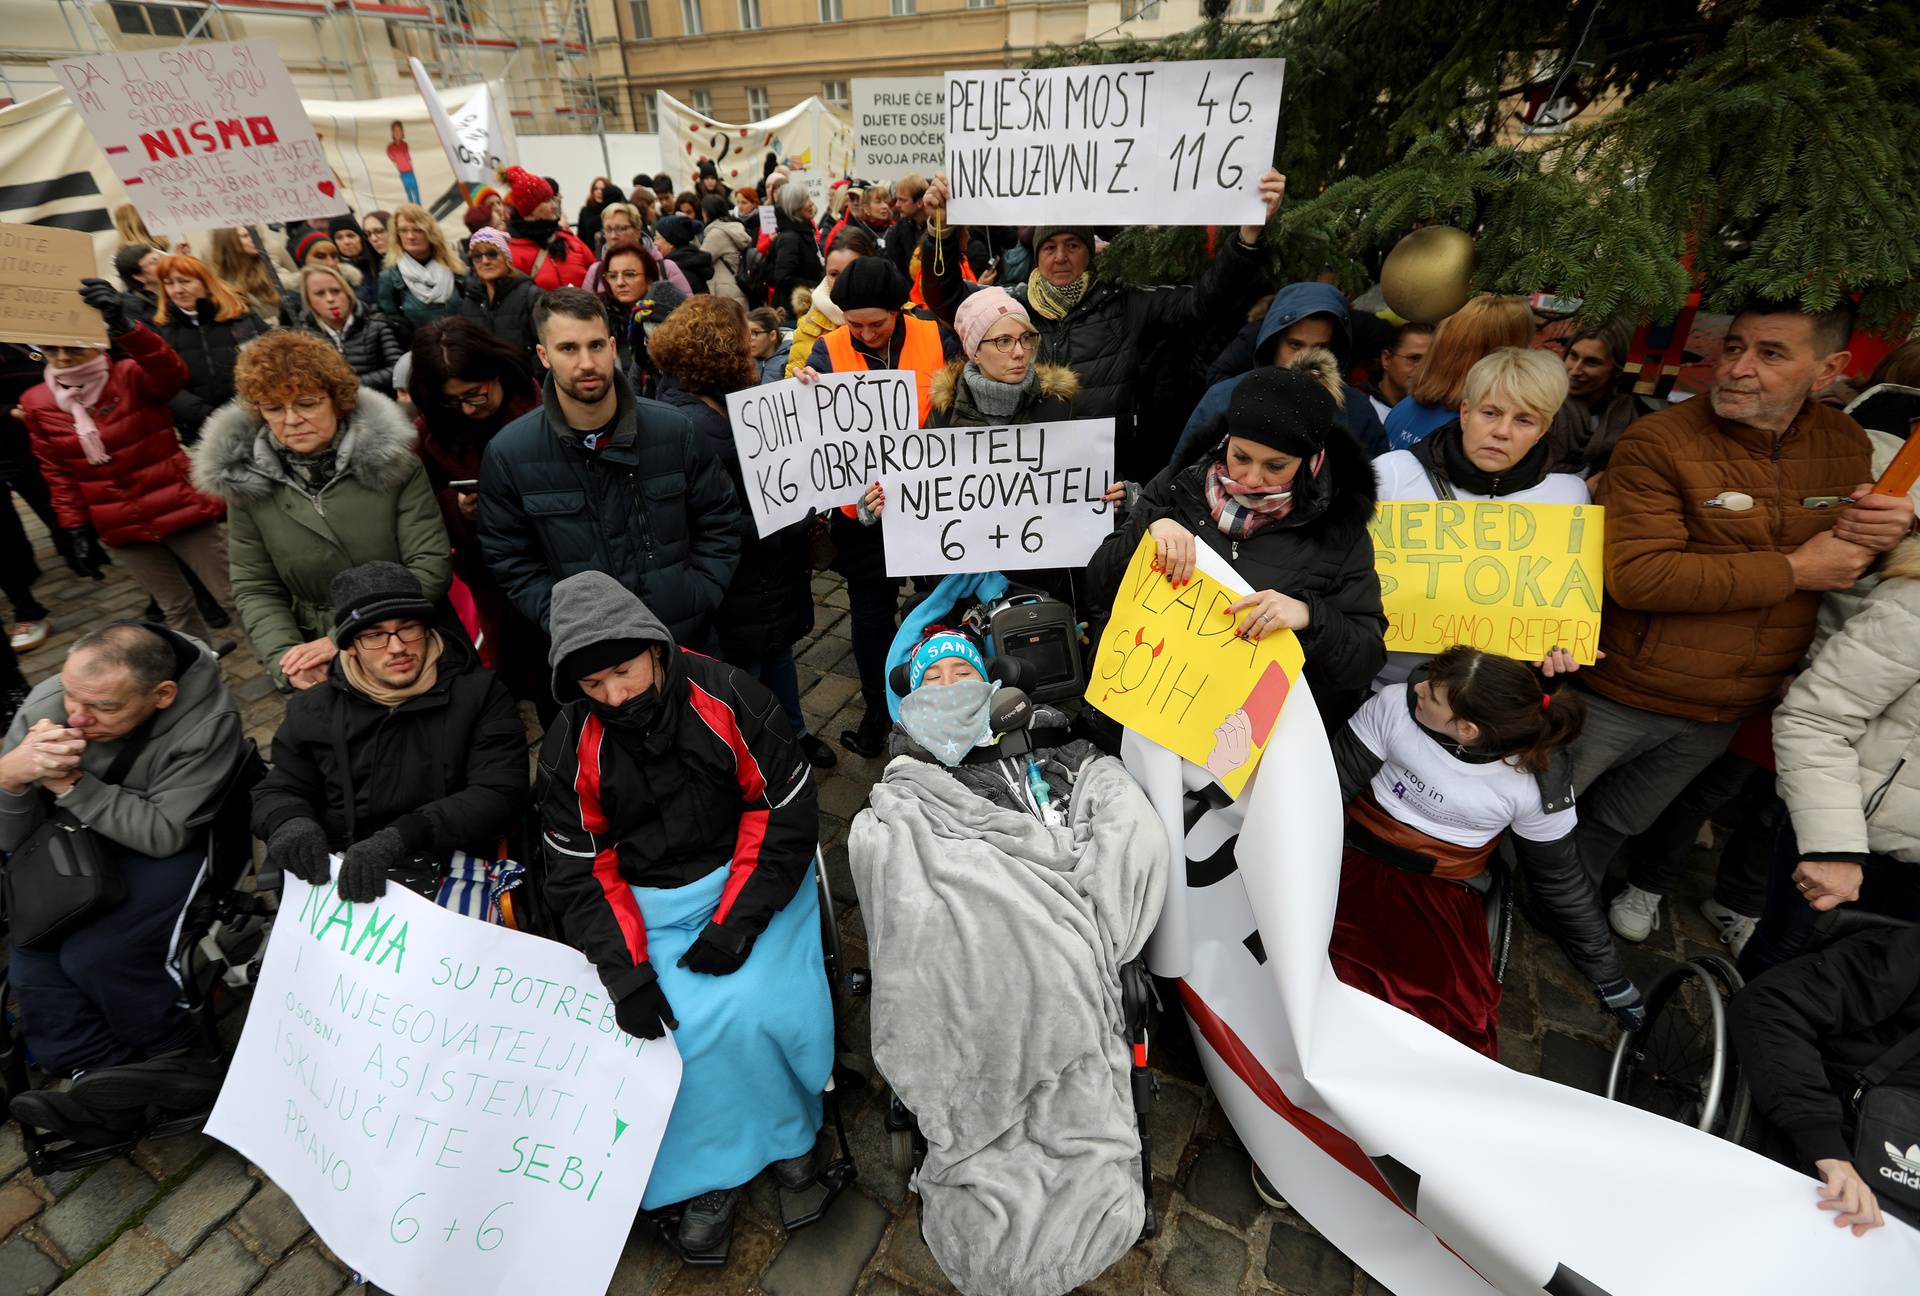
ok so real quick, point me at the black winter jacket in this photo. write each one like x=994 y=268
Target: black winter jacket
x=1803 y=1029
x=210 y=347
x=447 y=769
x=715 y=782
x=1106 y=337
x=1320 y=553
x=653 y=509
x=508 y=315
x=795 y=257
x=370 y=346
x=696 y=265
x=769 y=603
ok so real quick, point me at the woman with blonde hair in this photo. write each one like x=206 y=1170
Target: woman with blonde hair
x=232 y=256
x=423 y=277
x=1483 y=325
x=330 y=308
x=206 y=322
x=132 y=229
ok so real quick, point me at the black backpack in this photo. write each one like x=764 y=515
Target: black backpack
x=755 y=276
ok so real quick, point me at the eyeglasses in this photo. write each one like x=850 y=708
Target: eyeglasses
x=478 y=257
x=476 y=398
x=408 y=635
x=625 y=276
x=306 y=407
x=1006 y=343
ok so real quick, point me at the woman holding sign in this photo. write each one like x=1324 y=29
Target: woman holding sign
x=1284 y=494
x=1497 y=449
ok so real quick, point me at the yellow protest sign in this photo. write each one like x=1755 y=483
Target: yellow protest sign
x=1513 y=579
x=1171 y=668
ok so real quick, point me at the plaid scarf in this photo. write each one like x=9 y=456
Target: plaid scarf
x=1053 y=303
x=1240 y=512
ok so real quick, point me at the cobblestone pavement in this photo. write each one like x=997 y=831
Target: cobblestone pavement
x=187 y=1217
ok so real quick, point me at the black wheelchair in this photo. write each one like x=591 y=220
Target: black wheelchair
x=222 y=940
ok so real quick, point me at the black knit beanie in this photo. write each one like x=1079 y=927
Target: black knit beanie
x=373 y=592
x=591 y=659
x=1286 y=409
x=870 y=283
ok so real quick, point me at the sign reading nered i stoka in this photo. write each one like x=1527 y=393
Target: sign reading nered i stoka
x=205 y=135
x=1115 y=144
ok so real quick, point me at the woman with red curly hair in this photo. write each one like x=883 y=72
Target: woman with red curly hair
x=319 y=475
x=702 y=353
x=206 y=322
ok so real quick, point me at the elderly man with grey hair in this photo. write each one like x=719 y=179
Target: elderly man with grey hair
x=137 y=740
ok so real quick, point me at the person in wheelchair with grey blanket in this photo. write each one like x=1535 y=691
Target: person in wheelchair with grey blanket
x=1007 y=877
x=109 y=777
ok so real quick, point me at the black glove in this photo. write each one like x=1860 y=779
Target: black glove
x=84 y=555
x=299 y=847
x=643 y=1011
x=718 y=951
x=1624 y=1000
x=364 y=865
x=100 y=295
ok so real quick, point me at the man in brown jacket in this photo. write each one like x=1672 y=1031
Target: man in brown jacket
x=1727 y=517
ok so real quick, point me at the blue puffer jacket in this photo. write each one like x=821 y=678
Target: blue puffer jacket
x=1290 y=305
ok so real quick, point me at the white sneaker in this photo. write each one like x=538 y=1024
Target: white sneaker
x=1634 y=914
x=1735 y=929
x=29 y=634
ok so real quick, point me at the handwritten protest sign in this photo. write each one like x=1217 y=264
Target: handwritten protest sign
x=982 y=499
x=1114 y=144
x=451 y=1104
x=810 y=446
x=40 y=272
x=204 y=135
x=1513 y=579
x=899 y=127
x=1171 y=668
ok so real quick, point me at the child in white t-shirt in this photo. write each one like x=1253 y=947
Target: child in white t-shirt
x=1432 y=773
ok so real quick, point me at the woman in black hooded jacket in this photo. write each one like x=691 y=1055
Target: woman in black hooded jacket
x=1284 y=495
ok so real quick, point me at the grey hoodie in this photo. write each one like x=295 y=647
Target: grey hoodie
x=592 y=607
x=191 y=749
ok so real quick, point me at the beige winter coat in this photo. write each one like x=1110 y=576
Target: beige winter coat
x=1847 y=738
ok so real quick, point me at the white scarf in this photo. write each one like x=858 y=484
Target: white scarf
x=823 y=302
x=428 y=281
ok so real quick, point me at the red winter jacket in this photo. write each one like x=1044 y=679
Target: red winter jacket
x=144 y=492
x=570 y=270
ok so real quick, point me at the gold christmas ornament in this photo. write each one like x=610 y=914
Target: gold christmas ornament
x=1429 y=274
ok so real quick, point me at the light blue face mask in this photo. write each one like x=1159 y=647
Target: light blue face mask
x=949 y=720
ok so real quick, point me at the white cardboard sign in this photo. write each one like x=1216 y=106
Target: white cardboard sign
x=474 y=142
x=983 y=499
x=451 y=1104
x=811 y=446
x=1113 y=144
x=899 y=127
x=205 y=135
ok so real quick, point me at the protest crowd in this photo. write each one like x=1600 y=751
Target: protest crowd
x=467 y=497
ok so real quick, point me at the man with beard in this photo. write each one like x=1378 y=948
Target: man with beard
x=409 y=759
x=1727 y=518
x=600 y=479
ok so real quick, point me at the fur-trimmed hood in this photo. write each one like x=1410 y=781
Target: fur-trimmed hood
x=1904 y=561
x=236 y=459
x=1052 y=382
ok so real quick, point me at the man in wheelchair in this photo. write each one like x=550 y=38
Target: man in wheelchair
x=408 y=759
x=679 y=824
x=134 y=744
x=1007 y=877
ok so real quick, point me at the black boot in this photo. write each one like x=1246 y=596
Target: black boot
x=66 y=1115
x=870 y=739
x=176 y=1084
x=818 y=754
x=707 y=1226
x=795 y=1174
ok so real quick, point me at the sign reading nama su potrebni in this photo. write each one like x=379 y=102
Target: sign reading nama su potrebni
x=205 y=135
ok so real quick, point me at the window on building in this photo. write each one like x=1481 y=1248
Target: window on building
x=703 y=102
x=749 y=15
x=835 y=93
x=642 y=20
x=136 y=19
x=979 y=4
x=759 y=107
x=643 y=112
x=1141 y=9
x=900 y=8
x=690 y=18
x=1246 y=8
x=832 y=11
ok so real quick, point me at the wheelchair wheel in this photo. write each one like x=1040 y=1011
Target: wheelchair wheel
x=1680 y=1065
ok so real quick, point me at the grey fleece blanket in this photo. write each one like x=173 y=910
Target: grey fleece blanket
x=996 y=945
